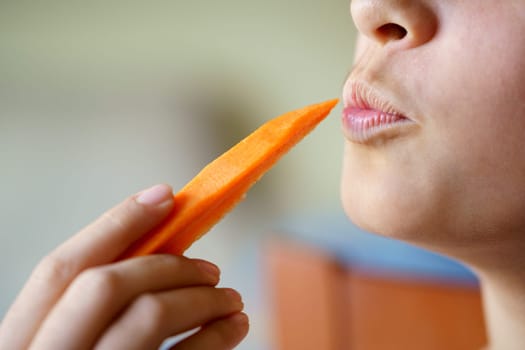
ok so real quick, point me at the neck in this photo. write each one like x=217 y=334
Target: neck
x=503 y=288
x=500 y=266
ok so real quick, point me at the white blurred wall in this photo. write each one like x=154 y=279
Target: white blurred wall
x=99 y=99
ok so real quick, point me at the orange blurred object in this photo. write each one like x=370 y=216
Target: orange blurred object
x=319 y=304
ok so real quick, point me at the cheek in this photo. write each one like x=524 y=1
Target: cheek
x=474 y=137
x=478 y=86
x=478 y=121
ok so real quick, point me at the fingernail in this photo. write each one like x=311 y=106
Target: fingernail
x=240 y=318
x=233 y=294
x=155 y=195
x=208 y=267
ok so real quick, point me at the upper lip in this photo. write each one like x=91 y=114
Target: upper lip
x=362 y=96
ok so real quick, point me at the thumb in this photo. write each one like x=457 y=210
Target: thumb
x=107 y=237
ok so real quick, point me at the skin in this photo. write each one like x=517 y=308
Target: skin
x=455 y=181
x=79 y=298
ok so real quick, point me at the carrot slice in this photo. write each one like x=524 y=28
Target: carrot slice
x=224 y=182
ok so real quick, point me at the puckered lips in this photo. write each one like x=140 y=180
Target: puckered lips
x=368 y=116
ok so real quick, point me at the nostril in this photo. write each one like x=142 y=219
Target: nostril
x=391 y=31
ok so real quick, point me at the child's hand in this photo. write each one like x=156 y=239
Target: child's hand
x=77 y=298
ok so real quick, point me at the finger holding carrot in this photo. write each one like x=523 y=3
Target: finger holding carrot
x=79 y=297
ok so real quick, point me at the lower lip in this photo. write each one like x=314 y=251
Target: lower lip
x=363 y=125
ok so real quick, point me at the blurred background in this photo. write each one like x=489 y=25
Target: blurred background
x=99 y=99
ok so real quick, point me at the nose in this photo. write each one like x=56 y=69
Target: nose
x=403 y=23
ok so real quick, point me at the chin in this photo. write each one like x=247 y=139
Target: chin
x=376 y=219
x=391 y=213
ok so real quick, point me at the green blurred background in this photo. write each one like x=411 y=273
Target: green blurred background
x=99 y=99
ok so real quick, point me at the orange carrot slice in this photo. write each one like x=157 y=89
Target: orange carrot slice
x=224 y=182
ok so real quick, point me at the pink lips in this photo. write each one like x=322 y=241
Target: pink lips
x=367 y=116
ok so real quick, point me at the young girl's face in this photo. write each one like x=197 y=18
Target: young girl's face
x=435 y=120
